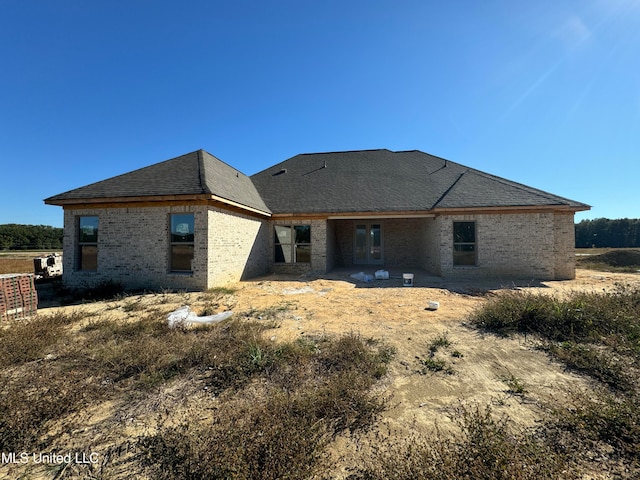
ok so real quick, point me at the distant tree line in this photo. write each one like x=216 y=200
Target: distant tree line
x=603 y=232
x=30 y=237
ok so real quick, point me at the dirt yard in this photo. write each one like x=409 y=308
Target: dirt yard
x=400 y=316
x=384 y=310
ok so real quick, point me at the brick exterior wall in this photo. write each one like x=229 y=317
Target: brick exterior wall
x=318 y=264
x=523 y=246
x=565 y=241
x=343 y=242
x=133 y=247
x=238 y=247
x=527 y=245
x=331 y=245
x=402 y=241
x=430 y=255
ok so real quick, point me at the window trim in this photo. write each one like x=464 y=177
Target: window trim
x=292 y=244
x=461 y=244
x=173 y=243
x=81 y=243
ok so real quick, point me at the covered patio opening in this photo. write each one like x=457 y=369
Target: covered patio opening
x=382 y=242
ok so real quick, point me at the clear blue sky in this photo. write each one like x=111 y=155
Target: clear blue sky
x=543 y=92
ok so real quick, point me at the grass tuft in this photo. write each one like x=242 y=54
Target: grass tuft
x=311 y=391
x=32 y=339
x=483 y=447
x=595 y=333
x=433 y=364
x=515 y=386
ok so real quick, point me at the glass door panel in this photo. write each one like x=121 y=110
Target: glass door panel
x=360 y=251
x=375 y=244
x=368 y=244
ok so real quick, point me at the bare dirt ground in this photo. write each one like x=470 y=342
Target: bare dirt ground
x=384 y=310
x=399 y=316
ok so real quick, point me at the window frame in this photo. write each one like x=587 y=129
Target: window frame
x=188 y=241
x=460 y=247
x=292 y=245
x=83 y=244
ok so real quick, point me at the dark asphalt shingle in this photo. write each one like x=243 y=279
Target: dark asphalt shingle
x=382 y=180
x=327 y=183
x=195 y=173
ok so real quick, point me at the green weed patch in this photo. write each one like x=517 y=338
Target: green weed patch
x=597 y=334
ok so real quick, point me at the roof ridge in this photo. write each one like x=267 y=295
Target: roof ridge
x=202 y=173
x=346 y=151
x=121 y=175
x=223 y=162
x=448 y=190
x=215 y=178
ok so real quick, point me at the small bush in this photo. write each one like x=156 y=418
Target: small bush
x=484 y=447
x=441 y=341
x=435 y=365
x=31 y=339
x=283 y=431
x=136 y=305
x=596 y=362
x=351 y=352
x=220 y=291
x=272 y=313
x=41 y=394
x=241 y=354
x=274 y=440
x=105 y=290
x=432 y=364
x=580 y=317
x=593 y=421
x=595 y=333
x=514 y=384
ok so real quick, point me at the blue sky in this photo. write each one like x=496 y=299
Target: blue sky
x=546 y=93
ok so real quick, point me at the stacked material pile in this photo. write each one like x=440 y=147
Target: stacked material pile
x=18 y=296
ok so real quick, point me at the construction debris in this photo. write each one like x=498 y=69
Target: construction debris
x=185 y=317
x=49 y=266
x=18 y=296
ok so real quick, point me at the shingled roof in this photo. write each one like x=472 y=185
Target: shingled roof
x=196 y=173
x=322 y=183
x=386 y=181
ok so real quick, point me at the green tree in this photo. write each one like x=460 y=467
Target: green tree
x=604 y=232
x=30 y=237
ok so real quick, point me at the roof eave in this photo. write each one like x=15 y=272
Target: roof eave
x=512 y=209
x=334 y=215
x=238 y=205
x=69 y=202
